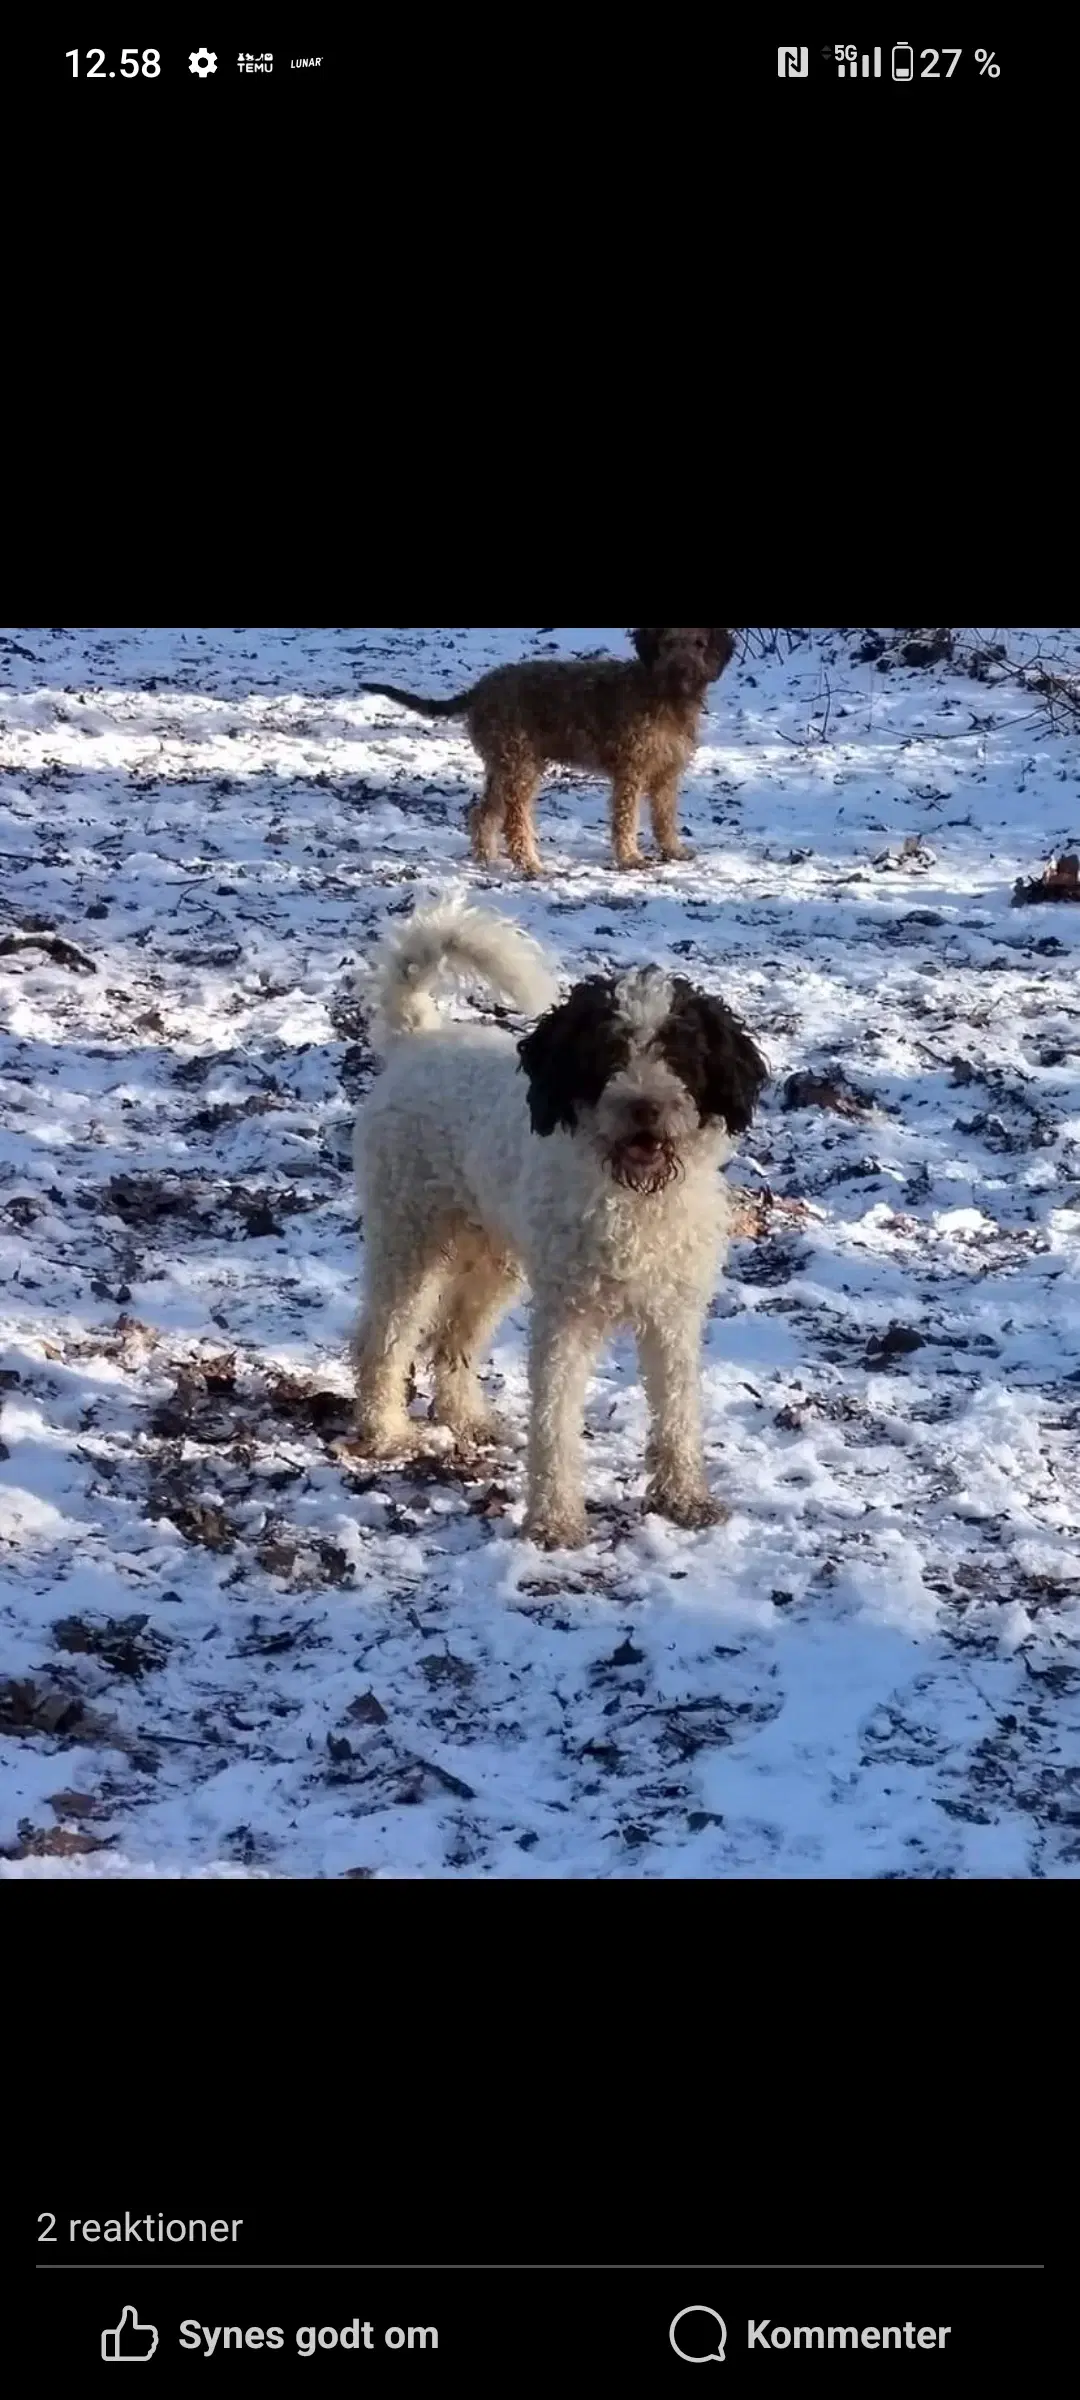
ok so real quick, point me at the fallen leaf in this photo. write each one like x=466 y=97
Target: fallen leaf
x=895 y=1342
x=492 y=1503
x=442 y=1667
x=1059 y=881
x=122 y=1643
x=824 y=1091
x=56 y=1841
x=366 y=1710
x=27 y=1707
x=73 y=1804
x=197 y=1522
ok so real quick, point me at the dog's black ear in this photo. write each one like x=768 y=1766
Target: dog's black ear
x=712 y=1053
x=571 y=1054
x=542 y=1054
x=648 y=641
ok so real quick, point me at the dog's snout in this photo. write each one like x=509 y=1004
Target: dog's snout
x=645 y=1114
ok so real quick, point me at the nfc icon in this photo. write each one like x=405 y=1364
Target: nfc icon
x=793 y=62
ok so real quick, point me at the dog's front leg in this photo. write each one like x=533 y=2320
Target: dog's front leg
x=670 y=1354
x=664 y=809
x=564 y=1343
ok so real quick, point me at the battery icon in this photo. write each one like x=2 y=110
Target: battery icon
x=903 y=63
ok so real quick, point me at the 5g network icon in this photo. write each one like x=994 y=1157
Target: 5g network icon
x=793 y=62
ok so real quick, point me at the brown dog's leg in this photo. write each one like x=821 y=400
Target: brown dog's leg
x=625 y=803
x=486 y=821
x=521 y=788
x=664 y=810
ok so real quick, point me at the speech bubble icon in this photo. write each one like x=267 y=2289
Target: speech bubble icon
x=699 y=2357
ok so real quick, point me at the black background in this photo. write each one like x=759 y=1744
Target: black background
x=543 y=2119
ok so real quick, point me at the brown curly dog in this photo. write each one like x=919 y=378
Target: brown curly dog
x=636 y=720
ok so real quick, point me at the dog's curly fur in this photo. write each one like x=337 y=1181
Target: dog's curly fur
x=592 y=1176
x=636 y=720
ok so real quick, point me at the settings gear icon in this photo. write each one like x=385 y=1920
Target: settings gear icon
x=202 y=62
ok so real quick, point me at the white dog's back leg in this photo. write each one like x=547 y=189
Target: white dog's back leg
x=479 y=1290
x=402 y=1297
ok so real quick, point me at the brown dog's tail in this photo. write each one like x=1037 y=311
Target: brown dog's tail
x=424 y=708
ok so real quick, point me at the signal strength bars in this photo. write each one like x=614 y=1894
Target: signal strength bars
x=861 y=66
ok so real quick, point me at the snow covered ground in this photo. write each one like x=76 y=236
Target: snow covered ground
x=221 y=1651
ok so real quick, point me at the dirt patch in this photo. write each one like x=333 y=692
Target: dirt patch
x=126 y=1645
x=32 y=1707
x=308 y=1407
x=54 y=1841
x=831 y=1091
x=198 y=1520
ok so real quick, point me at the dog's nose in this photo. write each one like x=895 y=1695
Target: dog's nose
x=645 y=1114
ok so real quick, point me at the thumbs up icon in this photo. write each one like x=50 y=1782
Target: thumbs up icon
x=129 y=2339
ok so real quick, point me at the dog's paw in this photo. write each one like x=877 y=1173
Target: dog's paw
x=478 y=1429
x=688 y=1507
x=550 y=1531
x=409 y=1438
x=630 y=860
x=678 y=850
x=368 y=1442
x=496 y=1432
x=486 y=1433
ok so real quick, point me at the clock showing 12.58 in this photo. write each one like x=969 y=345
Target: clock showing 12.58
x=132 y=62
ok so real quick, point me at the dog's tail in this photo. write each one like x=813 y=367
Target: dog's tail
x=424 y=708
x=468 y=944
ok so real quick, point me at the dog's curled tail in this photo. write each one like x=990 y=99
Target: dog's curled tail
x=455 y=707
x=465 y=943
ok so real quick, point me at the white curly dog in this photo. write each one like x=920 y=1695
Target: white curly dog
x=583 y=1161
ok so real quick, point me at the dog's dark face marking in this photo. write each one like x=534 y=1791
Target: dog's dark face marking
x=653 y=1062
x=573 y=1053
x=711 y=1052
